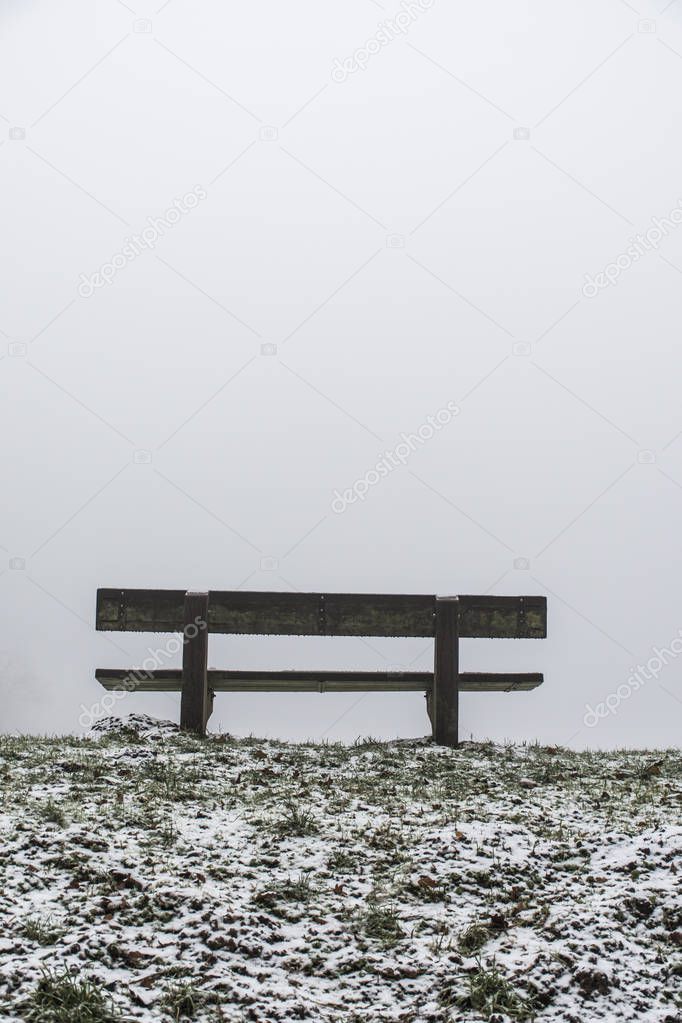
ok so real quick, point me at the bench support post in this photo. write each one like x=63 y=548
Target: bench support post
x=445 y=696
x=196 y=703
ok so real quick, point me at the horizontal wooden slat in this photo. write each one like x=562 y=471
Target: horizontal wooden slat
x=130 y=680
x=170 y=680
x=503 y=617
x=140 y=610
x=350 y=614
x=256 y=613
x=316 y=614
x=494 y=682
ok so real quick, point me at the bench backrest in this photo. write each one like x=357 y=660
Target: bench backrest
x=321 y=614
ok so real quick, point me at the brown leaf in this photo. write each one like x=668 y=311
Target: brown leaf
x=148 y=981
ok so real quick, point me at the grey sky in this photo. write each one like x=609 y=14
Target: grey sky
x=396 y=207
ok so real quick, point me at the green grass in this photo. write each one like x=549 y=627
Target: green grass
x=490 y=992
x=473 y=939
x=381 y=923
x=51 y=812
x=299 y=889
x=64 y=998
x=182 y=1001
x=294 y=823
x=43 y=932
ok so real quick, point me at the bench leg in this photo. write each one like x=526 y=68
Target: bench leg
x=445 y=697
x=195 y=705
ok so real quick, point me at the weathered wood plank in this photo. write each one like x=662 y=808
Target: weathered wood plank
x=255 y=613
x=169 y=680
x=140 y=610
x=316 y=614
x=444 y=702
x=321 y=614
x=496 y=682
x=351 y=614
x=490 y=617
x=131 y=680
x=195 y=705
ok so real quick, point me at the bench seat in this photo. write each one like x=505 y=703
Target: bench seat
x=170 y=681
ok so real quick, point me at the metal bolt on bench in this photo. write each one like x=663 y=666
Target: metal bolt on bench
x=233 y=612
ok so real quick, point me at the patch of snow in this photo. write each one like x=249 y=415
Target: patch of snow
x=382 y=883
x=143 y=725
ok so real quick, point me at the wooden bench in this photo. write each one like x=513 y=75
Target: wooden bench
x=195 y=615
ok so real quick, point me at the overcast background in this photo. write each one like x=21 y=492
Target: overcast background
x=373 y=244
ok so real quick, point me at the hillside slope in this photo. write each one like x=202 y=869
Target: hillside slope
x=246 y=880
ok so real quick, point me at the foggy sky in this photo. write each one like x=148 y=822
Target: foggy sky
x=399 y=207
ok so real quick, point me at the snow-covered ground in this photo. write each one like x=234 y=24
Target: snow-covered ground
x=247 y=880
